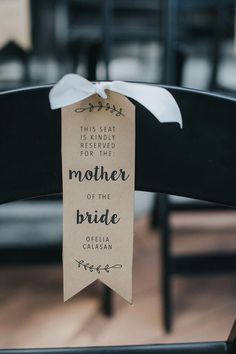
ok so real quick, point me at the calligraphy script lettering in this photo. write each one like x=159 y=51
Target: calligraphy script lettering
x=95 y=218
x=99 y=174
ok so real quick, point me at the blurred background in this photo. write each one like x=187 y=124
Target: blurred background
x=184 y=250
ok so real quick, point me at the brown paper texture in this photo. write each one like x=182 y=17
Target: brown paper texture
x=98 y=155
x=15 y=22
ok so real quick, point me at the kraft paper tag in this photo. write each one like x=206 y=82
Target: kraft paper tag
x=98 y=156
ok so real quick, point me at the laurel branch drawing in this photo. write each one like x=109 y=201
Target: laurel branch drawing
x=99 y=106
x=99 y=268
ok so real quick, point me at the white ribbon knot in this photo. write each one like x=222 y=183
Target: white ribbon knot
x=73 y=88
x=100 y=90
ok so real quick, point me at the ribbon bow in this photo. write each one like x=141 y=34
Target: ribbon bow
x=73 y=88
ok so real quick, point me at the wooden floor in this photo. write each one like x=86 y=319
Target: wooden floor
x=32 y=313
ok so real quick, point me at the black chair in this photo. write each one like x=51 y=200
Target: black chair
x=197 y=161
x=182 y=31
x=207 y=23
x=10 y=52
x=224 y=347
x=89 y=28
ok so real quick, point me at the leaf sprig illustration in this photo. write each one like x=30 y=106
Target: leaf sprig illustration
x=99 y=268
x=99 y=106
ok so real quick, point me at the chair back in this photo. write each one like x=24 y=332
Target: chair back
x=197 y=161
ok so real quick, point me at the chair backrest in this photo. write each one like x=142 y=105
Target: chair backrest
x=195 y=348
x=197 y=161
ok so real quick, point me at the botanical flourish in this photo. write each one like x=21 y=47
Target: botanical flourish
x=99 y=268
x=99 y=106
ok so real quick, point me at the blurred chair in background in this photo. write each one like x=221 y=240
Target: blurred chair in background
x=207 y=25
x=15 y=43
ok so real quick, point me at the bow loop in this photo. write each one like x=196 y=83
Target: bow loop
x=73 y=88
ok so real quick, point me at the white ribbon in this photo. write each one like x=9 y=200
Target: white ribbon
x=73 y=88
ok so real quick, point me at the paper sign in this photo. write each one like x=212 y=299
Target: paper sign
x=15 y=22
x=98 y=155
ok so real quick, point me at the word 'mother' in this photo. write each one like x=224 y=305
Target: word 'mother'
x=99 y=174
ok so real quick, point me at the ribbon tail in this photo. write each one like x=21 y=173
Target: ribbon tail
x=157 y=100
